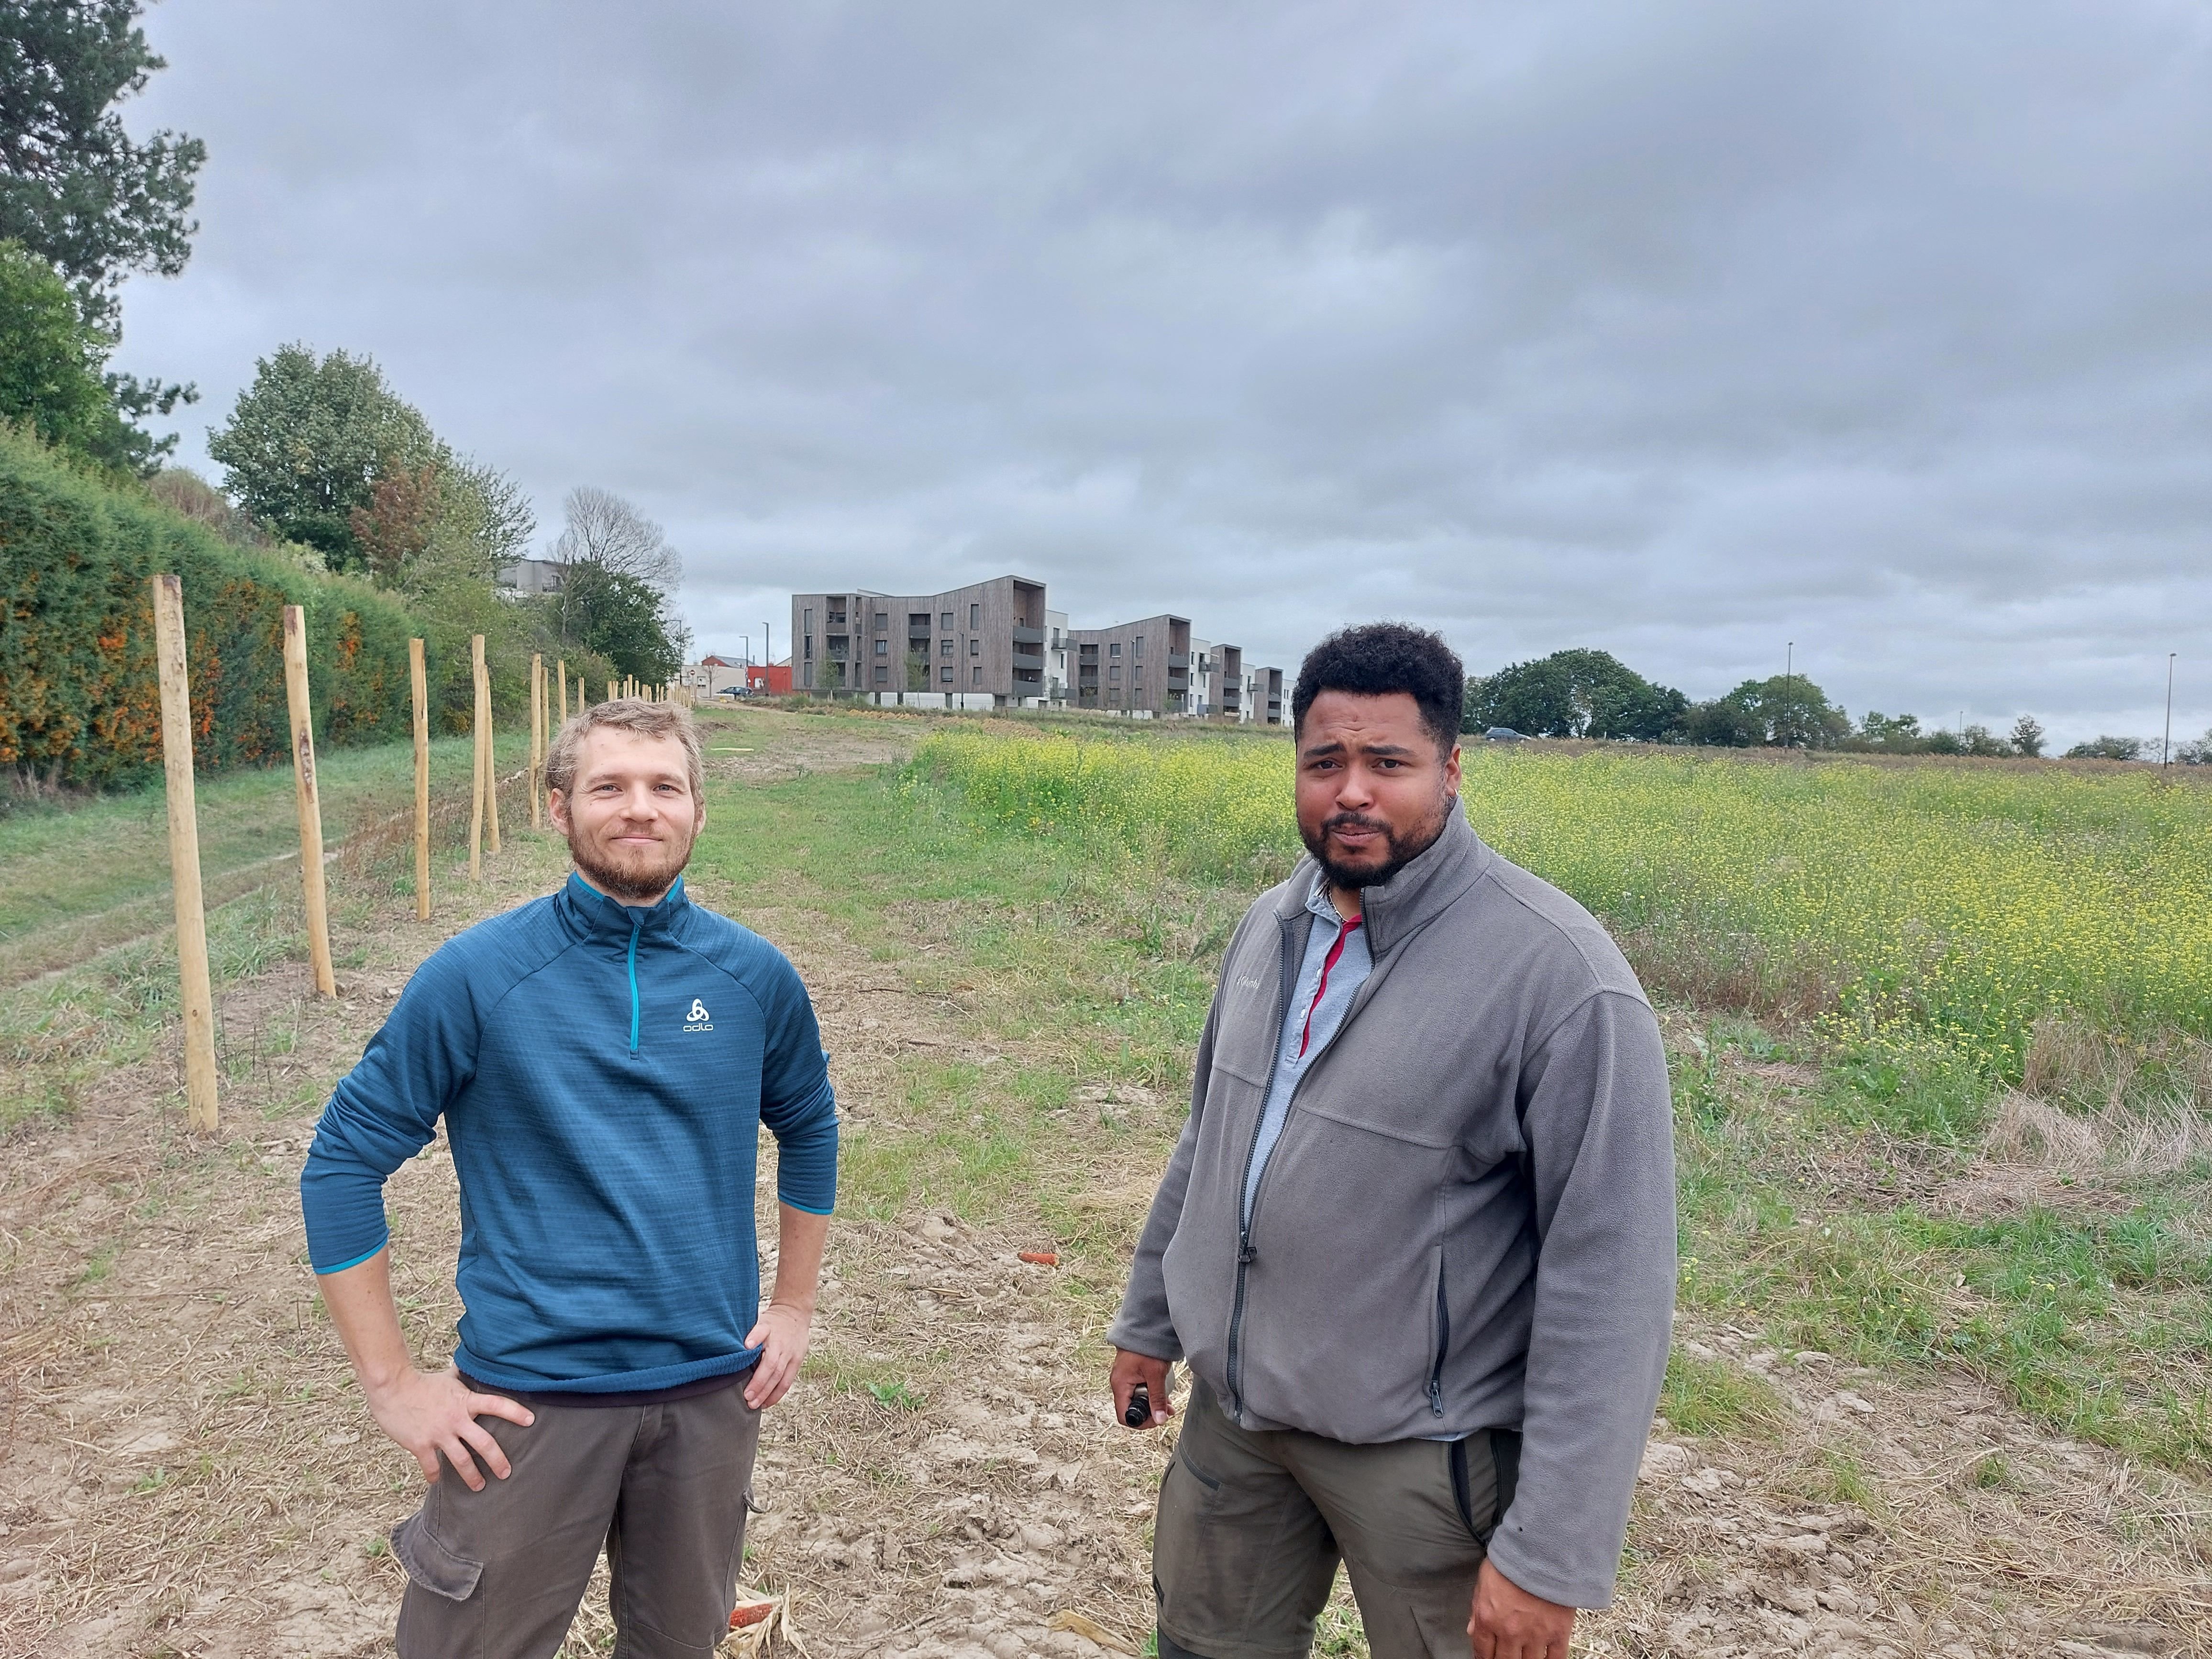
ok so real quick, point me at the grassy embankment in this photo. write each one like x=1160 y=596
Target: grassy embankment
x=87 y=948
x=1863 y=967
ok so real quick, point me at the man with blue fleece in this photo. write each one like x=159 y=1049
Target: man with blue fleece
x=604 y=1059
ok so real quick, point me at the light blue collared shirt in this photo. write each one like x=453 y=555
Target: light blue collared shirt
x=1336 y=965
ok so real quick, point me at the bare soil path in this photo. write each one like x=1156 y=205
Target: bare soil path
x=186 y=1469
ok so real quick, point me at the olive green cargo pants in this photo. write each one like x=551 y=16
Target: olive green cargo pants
x=1251 y=1527
x=498 y=1574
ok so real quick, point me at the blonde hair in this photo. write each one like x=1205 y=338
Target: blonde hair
x=635 y=715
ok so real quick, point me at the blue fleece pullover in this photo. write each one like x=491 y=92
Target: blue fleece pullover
x=603 y=1072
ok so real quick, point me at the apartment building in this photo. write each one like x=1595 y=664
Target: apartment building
x=1263 y=701
x=1201 y=678
x=1057 y=679
x=1224 y=684
x=1140 y=669
x=986 y=638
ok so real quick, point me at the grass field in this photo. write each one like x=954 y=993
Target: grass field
x=86 y=871
x=88 y=949
x=1964 y=906
x=1906 y=940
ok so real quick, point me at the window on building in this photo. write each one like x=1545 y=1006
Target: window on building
x=809 y=615
x=883 y=622
x=1114 y=673
x=945 y=649
x=975 y=647
x=945 y=621
x=1140 y=651
x=810 y=648
x=883 y=676
x=944 y=674
x=974 y=676
x=882 y=647
x=974 y=616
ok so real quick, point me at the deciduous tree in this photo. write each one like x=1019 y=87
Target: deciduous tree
x=1575 y=694
x=307 y=440
x=53 y=375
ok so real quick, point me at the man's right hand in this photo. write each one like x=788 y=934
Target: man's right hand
x=1131 y=1368
x=433 y=1413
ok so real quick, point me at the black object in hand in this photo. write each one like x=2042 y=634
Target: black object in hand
x=1138 y=1411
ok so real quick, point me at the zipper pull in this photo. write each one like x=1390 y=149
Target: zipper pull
x=1245 y=1254
x=1436 y=1397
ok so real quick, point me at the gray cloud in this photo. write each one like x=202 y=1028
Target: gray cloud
x=1681 y=330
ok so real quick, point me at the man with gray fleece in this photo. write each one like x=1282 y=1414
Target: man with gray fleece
x=1416 y=1243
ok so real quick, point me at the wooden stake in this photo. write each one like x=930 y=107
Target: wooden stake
x=480 y=724
x=491 y=769
x=308 y=799
x=561 y=673
x=185 y=854
x=421 y=780
x=536 y=737
x=611 y=693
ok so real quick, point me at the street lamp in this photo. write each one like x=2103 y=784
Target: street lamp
x=2165 y=744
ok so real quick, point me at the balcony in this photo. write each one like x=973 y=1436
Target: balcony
x=1028 y=635
x=1178 y=660
x=1032 y=660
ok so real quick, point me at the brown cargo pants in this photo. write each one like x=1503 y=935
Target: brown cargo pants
x=1251 y=1527
x=498 y=1574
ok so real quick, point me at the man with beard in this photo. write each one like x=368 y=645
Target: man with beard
x=603 y=1060
x=1416 y=1243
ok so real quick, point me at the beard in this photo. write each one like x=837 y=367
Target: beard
x=632 y=878
x=1403 y=848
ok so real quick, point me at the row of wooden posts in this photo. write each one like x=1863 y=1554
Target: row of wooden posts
x=548 y=711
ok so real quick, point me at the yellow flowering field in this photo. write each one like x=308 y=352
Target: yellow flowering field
x=1898 y=903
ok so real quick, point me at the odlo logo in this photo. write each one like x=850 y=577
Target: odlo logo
x=698 y=1019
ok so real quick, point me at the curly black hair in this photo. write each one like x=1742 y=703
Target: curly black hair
x=1377 y=658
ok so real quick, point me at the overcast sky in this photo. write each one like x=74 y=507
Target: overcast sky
x=1679 y=330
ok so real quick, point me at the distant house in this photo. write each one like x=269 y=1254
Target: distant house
x=715 y=673
x=773 y=678
x=527 y=577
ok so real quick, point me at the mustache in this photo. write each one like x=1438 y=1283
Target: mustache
x=1355 y=821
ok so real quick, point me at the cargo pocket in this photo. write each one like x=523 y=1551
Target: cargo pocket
x=1479 y=1511
x=430 y=1563
x=1209 y=1485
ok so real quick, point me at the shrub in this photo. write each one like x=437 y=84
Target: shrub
x=79 y=703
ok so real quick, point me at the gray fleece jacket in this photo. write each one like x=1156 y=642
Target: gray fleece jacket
x=1469 y=1220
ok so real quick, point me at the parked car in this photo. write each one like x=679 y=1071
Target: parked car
x=1504 y=735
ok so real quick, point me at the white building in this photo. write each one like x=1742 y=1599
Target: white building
x=1056 y=678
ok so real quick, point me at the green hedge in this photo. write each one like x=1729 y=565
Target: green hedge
x=78 y=698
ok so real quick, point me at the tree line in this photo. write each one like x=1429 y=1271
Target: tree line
x=1585 y=693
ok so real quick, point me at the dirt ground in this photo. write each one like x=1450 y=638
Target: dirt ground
x=187 y=1469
